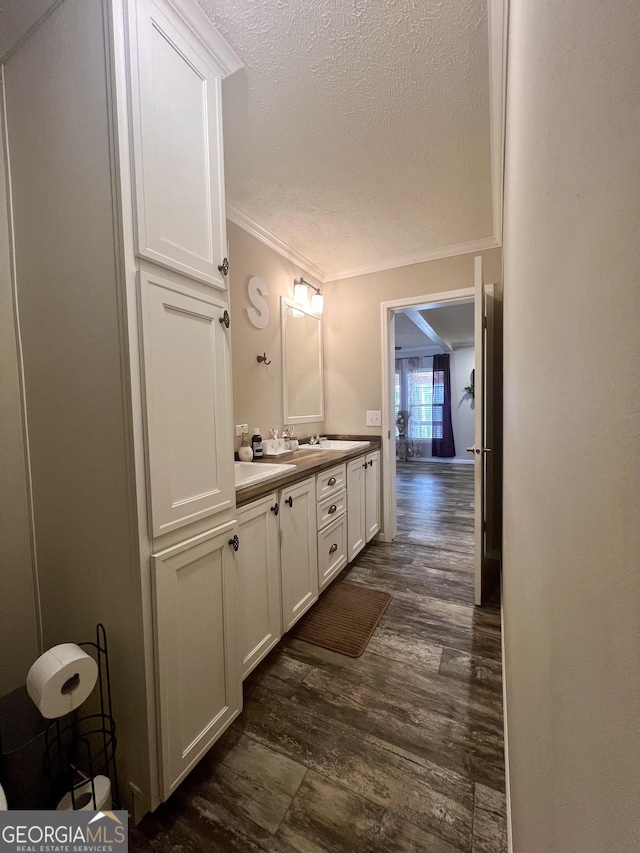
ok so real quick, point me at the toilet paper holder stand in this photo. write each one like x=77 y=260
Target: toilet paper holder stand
x=80 y=747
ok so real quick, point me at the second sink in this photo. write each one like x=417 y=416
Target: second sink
x=337 y=444
x=248 y=473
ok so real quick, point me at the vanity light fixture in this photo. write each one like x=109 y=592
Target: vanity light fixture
x=300 y=296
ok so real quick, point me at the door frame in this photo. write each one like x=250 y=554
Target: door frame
x=387 y=312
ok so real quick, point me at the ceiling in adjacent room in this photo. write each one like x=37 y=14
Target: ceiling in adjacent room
x=358 y=132
x=453 y=324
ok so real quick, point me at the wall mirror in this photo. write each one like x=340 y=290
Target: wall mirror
x=302 y=379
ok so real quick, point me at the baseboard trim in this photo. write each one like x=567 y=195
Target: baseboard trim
x=505 y=725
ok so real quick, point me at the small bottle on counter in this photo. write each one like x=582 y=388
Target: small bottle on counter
x=245 y=453
x=256 y=444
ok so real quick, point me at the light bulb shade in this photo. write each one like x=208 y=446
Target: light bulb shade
x=300 y=294
x=317 y=303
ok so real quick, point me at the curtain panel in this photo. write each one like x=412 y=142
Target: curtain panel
x=442 y=443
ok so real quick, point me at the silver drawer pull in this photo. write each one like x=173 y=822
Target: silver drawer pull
x=331 y=481
x=333 y=508
x=333 y=548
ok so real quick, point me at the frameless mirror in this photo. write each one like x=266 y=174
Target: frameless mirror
x=302 y=380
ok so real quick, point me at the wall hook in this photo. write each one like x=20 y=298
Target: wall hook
x=262 y=359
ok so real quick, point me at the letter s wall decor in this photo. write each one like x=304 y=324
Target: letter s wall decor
x=259 y=313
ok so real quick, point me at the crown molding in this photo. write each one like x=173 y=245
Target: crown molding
x=420 y=258
x=251 y=227
x=209 y=36
x=497 y=15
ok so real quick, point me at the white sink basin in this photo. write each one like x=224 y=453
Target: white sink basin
x=335 y=444
x=249 y=473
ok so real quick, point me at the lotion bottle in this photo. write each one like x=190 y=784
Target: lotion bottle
x=245 y=454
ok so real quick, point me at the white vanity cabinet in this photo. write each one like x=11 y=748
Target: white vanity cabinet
x=258 y=567
x=196 y=643
x=298 y=550
x=363 y=501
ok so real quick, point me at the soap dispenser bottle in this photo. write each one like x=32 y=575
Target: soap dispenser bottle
x=245 y=454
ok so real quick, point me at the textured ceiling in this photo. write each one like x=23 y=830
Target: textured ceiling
x=358 y=130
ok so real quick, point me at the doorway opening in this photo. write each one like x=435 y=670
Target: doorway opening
x=434 y=425
x=410 y=390
x=415 y=306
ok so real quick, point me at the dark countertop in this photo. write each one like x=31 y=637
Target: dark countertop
x=308 y=463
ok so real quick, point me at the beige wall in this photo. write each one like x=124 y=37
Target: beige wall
x=72 y=326
x=18 y=623
x=572 y=426
x=257 y=389
x=352 y=337
x=353 y=357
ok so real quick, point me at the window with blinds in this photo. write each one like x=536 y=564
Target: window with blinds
x=424 y=400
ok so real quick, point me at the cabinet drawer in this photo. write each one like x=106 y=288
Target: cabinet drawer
x=331 y=508
x=331 y=481
x=332 y=551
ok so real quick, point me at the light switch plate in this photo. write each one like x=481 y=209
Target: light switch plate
x=240 y=428
x=374 y=418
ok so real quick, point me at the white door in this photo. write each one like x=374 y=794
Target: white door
x=258 y=564
x=188 y=413
x=176 y=126
x=372 y=494
x=483 y=571
x=298 y=550
x=356 y=501
x=199 y=683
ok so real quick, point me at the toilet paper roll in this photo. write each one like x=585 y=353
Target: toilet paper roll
x=61 y=679
x=84 y=797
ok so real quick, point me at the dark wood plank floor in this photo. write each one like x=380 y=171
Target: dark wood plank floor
x=398 y=750
x=435 y=503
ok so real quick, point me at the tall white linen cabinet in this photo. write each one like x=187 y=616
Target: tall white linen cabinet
x=113 y=130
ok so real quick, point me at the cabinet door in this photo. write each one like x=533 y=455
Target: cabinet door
x=355 y=506
x=187 y=390
x=259 y=599
x=372 y=497
x=176 y=124
x=199 y=682
x=298 y=550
